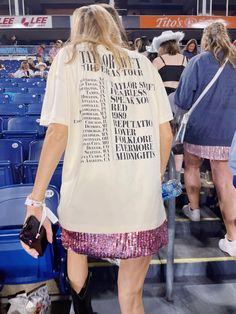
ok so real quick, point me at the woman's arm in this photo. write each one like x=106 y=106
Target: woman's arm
x=53 y=148
x=166 y=139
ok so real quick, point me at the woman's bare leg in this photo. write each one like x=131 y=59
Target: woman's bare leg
x=132 y=273
x=77 y=270
x=223 y=178
x=192 y=178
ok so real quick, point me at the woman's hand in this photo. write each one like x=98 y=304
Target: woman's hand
x=37 y=212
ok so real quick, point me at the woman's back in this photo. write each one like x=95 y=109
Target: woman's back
x=113 y=148
x=170 y=68
x=218 y=107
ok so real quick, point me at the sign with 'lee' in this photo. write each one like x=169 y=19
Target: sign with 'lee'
x=27 y=21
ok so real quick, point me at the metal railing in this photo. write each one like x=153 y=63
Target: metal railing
x=171 y=234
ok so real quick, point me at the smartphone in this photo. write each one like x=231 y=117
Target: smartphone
x=29 y=235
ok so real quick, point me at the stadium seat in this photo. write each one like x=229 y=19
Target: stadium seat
x=11 y=159
x=36 y=90
x=22 y=124
x=41 y=84
x=16 y=266
x=34 y=109
x=26 y=84
x=4 y=99
x=8 y=84
x=16 y=89
x=6 y=173
x=24 y=129
x=1 y=127
x=25 y=99
x=35 y=148
x=12 y=109
x=30 y=166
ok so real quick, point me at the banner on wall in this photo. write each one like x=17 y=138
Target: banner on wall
x=183 y=21
x=27 y=21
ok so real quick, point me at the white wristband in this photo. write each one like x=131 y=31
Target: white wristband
x=33 y=203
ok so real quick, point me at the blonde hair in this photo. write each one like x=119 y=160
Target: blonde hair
x=216 y=40
x=23 y=64
x=95 y=26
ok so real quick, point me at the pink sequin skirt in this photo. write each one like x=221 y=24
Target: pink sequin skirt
x=116 y=245
x=208 y=152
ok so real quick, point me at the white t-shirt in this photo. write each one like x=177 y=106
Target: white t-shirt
x=111 y=175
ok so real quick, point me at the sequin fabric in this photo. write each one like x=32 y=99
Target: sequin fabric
x=208 y=152
x=117 y=245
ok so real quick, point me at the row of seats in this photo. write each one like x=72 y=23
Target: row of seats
x=20 y=80
x=15 y=169
x=23 y=84
x=7 y=111
x=16 y=266
x=21 y=98
x=23 y=90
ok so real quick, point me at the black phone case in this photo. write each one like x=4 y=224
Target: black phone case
x=29 y=235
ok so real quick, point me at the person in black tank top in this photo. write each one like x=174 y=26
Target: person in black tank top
x=170 y=63
x=171 y=72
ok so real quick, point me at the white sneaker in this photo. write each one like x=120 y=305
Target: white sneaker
x=193 y=215
x=228 y=246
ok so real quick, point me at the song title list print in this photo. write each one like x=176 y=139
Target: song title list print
x=133 y=138
x=133 y=134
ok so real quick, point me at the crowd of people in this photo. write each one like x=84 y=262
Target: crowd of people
x=111 y=204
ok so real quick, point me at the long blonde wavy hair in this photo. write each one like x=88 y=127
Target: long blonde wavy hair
x=216 y=40
x=94 y=26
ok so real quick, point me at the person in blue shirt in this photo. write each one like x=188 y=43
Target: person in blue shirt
x=232 y=159
x=190 y=50
x=211 y=126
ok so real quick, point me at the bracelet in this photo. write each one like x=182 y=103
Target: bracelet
x=33 y=203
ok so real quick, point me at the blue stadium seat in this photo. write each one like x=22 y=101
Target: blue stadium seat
x=11 y=159
x=25 y=99
x=35 y=79
x=4 y=99
x=12 y=109
x=35 y=148
x=1 y=126
x=36 y=90
x=26 y=84
x=16 y=89
x=34 y=109
x=24 y=129
x=31 y=165
x=41 y=84
x=9 y=84
x=5 y=80
x=6 y=173
x=16 y=266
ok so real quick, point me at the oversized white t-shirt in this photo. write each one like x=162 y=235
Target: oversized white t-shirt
x=111 y=175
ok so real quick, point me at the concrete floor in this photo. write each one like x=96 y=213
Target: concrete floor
x=189 y=298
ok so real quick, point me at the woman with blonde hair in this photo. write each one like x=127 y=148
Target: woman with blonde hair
x=24 y=71
x=211 y=126
x=107 y=108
